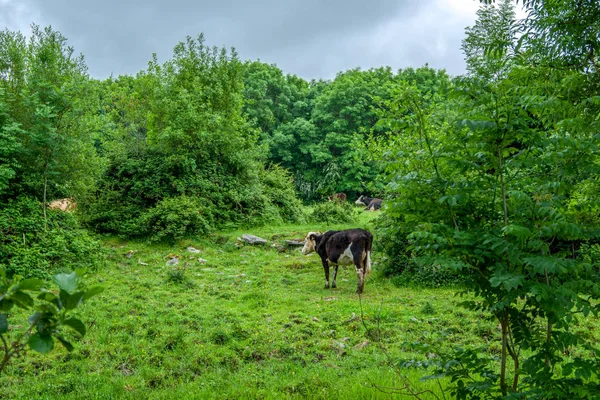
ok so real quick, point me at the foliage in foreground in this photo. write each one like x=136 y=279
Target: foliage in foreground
x=51 y=313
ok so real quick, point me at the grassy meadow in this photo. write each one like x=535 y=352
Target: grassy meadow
x=252 y=322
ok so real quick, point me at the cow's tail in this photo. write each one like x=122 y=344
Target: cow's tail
x=368 y=260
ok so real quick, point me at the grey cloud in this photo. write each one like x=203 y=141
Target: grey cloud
x=310 y=38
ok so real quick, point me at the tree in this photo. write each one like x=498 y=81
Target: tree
x=182 y=157
x=8 y=146
x=491 y=44
x=44 y=103
x=491 y=194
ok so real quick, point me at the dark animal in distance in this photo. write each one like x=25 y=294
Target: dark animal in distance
x=338 y=198
x=371 y=203
x=352 y=246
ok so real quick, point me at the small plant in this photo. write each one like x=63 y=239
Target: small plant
x=177 y=276
x=427 y=309
x=50 y=313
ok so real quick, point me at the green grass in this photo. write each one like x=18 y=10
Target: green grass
x=250 y=323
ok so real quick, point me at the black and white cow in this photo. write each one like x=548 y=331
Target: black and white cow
x=352 y=246
x=371 y=203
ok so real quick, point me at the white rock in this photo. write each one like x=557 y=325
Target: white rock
x=173 y=261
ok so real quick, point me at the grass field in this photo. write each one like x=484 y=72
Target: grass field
x=251 y=322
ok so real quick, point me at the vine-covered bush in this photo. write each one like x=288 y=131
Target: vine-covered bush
x=333 y=212
x=176 y=218
x=167 y=197
x=34 y=246
x=278 y=187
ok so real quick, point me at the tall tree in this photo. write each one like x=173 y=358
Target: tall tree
x=491 y=44
x=45 y=96
x=494 y=193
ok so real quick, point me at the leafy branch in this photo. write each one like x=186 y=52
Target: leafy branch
x=50 y=313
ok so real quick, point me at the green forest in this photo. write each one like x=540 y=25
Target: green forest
x=490 y=224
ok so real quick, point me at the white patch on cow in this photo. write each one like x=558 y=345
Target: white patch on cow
x=309 y=243
x=346 y=258
x=360 y=201
x=368 y=263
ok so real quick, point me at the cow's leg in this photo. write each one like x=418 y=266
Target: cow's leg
x=361 y=280
x=335 y=271
x=360 y=272
x=326 y=269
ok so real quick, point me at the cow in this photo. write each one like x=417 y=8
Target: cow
x=352 y=246
x=338 y=198
x=371 y=203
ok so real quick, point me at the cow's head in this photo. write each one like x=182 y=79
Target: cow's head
x=310 y=243
x=360 y=201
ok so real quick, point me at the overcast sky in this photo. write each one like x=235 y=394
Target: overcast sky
x=309 y=38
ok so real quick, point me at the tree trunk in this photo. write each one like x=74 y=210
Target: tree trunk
x=504 y=326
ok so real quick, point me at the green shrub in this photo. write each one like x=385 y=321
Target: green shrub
x=32 y=246
x=400 y=263
x=175 y=218
x=333 y=213
x=278 y=187
x=178 y=277
x=428 y=275
x=135 y=191
x=392 y=241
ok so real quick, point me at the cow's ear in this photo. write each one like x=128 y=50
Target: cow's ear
x=312 y=237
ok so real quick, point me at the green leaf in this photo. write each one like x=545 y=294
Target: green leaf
x=67 y=282
x=520 y=232
x=3 y=324
x=75 y=324
x=30 y=284
x=47 y=296
x=41 y=343
x=508 y=280
x=92 y=292
x=548 y=264
x=70 y=301
x=65 y=343
x=22 y=299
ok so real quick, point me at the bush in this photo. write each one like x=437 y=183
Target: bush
x=176 y=218
x=333 y=213
x=32 y=246
x=278 y=187
x=400 y=263
x=135 y=191
x=392 y=241
x=427 y=276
